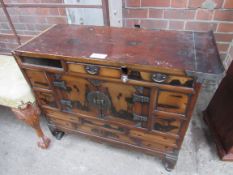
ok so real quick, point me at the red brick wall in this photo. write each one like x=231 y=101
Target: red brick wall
x=190 y=15
x=28 y=22
x=229 y=56
x=185 y=15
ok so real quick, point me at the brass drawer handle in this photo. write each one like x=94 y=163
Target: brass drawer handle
x=159 y=77
x=92 y=69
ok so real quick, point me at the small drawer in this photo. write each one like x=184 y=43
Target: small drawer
x=37 y=78
x=62 y=123
x=173 y=102
x=153 y=138
x=163 y=78
x=42 y=63
x=92 y=69
x=167 y=124
x=46 y=99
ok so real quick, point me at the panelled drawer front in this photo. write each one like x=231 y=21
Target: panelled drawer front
x=164 y=78
x=92 y=69
x=37 y=78
x=173 y=102
x=113 y=131
x=63 y=123
x=167 y=124
x=46 y=99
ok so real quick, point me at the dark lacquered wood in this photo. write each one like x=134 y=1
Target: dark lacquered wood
x=218 y=116
x=190 y=51
x=149 y=110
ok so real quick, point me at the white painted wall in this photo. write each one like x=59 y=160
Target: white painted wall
x=115 y=12
x=85 y=16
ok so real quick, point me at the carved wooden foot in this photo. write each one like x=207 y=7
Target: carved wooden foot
x=29 y=113
x=44 y=142
x=169 y=161
x=56 y=133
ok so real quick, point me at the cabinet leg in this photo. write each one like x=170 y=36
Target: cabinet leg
x=204 y=117
x=56 y=133
x=169 y=161
x=30 y=113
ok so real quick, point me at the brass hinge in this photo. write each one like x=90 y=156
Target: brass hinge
x=139 y=118
x=140 y=98
x=60 y=85
x=67 y=104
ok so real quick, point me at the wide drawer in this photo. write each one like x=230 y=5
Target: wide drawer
x=112 y=131
x=133 y=74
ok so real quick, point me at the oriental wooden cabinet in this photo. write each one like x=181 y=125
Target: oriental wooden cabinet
x=129 y=87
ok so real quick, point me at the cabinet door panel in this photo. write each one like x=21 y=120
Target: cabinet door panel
x=127 y=102
x=111 y=101
x=72 y=92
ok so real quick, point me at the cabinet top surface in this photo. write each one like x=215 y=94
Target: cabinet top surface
x=189 y=51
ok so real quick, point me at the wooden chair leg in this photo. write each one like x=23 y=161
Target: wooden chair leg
x=30 y=113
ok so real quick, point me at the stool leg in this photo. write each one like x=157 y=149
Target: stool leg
x=30 y=115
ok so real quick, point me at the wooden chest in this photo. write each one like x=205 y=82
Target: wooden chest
x=128 y=87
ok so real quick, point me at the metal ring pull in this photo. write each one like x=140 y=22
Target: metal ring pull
x=92 y=69
x=159 y=77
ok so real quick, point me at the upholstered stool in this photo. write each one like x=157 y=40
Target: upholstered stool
x=16 y=94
